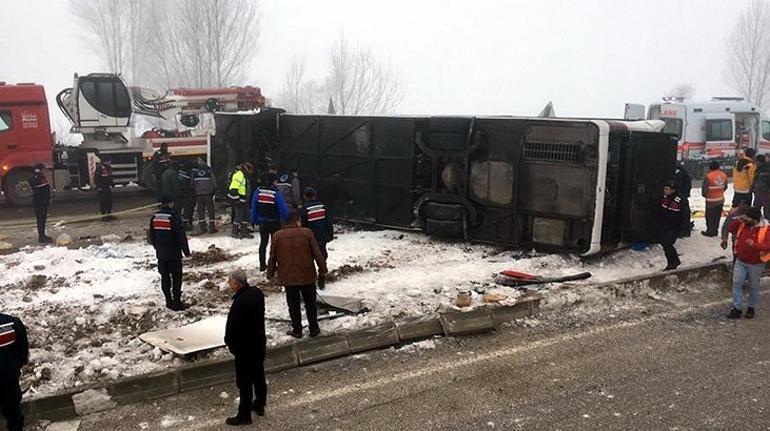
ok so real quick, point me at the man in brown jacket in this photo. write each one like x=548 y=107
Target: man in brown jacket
x=292 y=252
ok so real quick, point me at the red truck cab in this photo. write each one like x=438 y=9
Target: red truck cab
x=25 y=137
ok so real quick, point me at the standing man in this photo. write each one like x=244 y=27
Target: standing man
x=14 y=354
x=41 y=197
x=743 y=176
x=104 y=183
x=683 y=184
x=186 y=201
x=238 y=191
x=204 y=188
x=713 y=190
x=292 y=253
x=269 y=211
x=245 y=338
x=670 y=224
x=762 y=185
x=287 y=191
x=317 y=219
x=161 y=158
x=751 y=248
x=167 y=236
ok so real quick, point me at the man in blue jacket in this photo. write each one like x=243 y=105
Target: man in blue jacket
x=269 y=211
x=14 y=354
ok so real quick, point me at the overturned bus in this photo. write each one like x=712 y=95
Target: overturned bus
x=568 y=185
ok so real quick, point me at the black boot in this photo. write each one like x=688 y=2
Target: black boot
x=735 y=314
x=212 y=227
x=236 y=232
x=245 y=232
x=238 y=421
x=169 y=301
x=259 y=410
x=177 y=304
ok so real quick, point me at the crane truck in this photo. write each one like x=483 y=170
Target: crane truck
x=101 y=108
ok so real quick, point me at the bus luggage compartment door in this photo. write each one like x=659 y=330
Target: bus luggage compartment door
x=650 y=160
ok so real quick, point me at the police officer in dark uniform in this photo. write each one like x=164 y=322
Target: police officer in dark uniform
x=168 y=237
x=683 y=184
x=316 y=217
x=161 y=159
x=104 y=183
x=670 y=223
x=269 y=210
x=14 y=354
x=245 y=338
x=204 y=187
x=41 y=197
x=290 y=196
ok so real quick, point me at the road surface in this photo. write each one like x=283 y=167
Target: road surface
x=686 y=369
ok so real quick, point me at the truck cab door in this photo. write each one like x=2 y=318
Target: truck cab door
x=634 y=112
x=720 y=135
x=649 y=160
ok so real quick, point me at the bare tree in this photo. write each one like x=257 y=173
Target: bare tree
x=748 y=53
x=359 y=83
x=680 y=92
x=113 y=30
x=299 y=94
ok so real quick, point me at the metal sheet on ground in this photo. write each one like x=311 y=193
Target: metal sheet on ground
x=202 y=335
x=343 y=304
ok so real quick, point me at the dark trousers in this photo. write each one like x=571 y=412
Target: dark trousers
x=713 y=215
x=266 y=231
x=668 y=240
x=321 y=277
x=686 y=218
x=41 y=214
x=10 y=404
x=171 y=279
x=745 y=196
x=188 y=209
x=205 y=206
x=240 y=219
x=311 y=310
x=251 y=382
x=104 y=194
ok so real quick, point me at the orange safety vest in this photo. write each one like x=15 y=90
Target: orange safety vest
x=715 y=186
x=764 y=256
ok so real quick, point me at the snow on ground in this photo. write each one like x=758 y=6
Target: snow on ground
x=85 y=308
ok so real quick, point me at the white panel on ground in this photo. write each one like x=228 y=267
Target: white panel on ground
x=202 y=335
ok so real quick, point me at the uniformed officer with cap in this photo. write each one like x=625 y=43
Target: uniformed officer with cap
x=41 y=197
x=167 y=235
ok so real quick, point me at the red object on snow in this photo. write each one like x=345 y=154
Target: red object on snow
x=519 y=275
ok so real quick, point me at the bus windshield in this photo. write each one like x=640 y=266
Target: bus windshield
x=673 y=126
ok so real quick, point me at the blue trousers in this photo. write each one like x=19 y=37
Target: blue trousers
x=741 y=272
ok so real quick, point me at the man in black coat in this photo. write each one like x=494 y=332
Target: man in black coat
x=104 y=182
x=167 y=235
x=41 y=197
x=245 y=338
x=14 y=354
x=316 y=217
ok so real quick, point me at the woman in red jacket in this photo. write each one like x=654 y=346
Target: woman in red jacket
x=751 y=250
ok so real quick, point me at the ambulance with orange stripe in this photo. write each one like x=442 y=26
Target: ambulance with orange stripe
x=713 y=130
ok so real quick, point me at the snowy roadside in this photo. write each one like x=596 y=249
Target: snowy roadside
x=85 y=308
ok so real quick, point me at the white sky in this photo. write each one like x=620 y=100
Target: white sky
x=589 y=57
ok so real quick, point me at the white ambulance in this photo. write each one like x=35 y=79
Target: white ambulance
x=714 y=130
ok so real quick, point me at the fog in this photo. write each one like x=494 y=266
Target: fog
x=454 y=57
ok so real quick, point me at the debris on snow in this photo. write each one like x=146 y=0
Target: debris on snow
x=92 y=401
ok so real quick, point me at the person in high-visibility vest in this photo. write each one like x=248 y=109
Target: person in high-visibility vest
x=238 y=194
x=752 y=251
x=713 y=190
x=743 y=176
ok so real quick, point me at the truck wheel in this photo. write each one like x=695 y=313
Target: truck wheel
x=17 y=189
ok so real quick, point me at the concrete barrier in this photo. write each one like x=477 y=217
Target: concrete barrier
x=718 y=272
x=322 y=348
x=376 y=337
x=207 y=374
x=478 y=319
x=145 y=387
x=525 y=307
x=281 y=358
x=418 y=328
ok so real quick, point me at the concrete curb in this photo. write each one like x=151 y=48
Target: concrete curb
x=717 y=271
x=308 y=351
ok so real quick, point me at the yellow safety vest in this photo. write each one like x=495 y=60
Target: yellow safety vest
x=238 y=183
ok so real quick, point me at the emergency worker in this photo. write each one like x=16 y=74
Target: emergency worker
x=743 y=176
x=713 y=189
x=104 y=183
x=168 y=237
x=683 y=184
x=204 y=189
x=316 y=217
x=41 y=198
x=238 y=192
x=670 y=223
x=286 y=188
x=269 y=211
